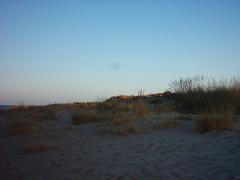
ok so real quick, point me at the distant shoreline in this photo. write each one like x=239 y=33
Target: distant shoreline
x=4 y=107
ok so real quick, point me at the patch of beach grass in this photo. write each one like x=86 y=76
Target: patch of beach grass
x=164 y=108
x=39 y=147
x=84 y=117
x=169 y=123
x=215 y=120
x=140 y=109
x=121 y=118
x=132 y=128
x=19 y=126
x=112 y=106
x=199 y=94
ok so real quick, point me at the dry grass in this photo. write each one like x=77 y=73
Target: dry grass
x=116 y=123
x=216 y=120
x=23 y=119
x=112 y=106
x=39 y=147
x=20 y=127
x=169 y=123
x=164 y=108
x=140 y=109
x=121 y=118
x=40 y=113
x=199 y=94
x=132 y=128
x=84 y=117
x=34 y=113
x=49 y=114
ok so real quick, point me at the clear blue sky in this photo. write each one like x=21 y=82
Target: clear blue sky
x=64 y=51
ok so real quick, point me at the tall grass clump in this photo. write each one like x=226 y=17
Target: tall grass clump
x=215 y=120
x=199 y=94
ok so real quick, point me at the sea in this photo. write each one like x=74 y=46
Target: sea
x=3 y=107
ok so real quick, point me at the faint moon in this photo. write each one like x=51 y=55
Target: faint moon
x=115 y=66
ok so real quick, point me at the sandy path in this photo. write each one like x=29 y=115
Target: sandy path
x=164 y=154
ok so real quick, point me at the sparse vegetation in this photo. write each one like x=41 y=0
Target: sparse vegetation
x=121 y=118
x=39 y=147
x=48 y=114
x=164 y=108
x=132 y=128
x=20 y=127
x=140 y=109
x=84 y=117
x=112 y=106
x=215 y=120
x=169 y=123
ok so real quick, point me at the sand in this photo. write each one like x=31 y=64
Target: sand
x=165 y=154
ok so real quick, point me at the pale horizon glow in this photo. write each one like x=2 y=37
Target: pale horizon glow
x=56 y=51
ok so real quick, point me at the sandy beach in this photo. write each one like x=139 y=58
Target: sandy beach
x=83 y=152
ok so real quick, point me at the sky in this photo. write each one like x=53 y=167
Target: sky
x=59 y=51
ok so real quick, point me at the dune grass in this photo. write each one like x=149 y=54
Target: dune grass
x=123 y=118
x=140 y=109
x=199 y=94
x=22 y=120
x=84 y=117
x=164 y=108
x=131 y=128
x=112 y=106
x=19 y=126
x=169 y=123
x=41 y=113
x=215 y=120
x=121 y=124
